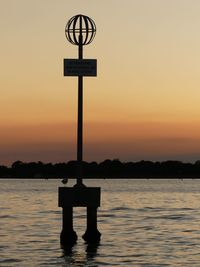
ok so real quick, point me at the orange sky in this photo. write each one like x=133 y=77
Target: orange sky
x=144 y=103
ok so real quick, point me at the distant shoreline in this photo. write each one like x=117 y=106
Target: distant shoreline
x=108 y=169
x=101 y=178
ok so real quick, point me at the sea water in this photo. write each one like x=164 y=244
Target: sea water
x=143 y=223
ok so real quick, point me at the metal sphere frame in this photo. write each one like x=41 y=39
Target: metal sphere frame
x=80 y=30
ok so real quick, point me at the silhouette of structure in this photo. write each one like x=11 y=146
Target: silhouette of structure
x=80 y=30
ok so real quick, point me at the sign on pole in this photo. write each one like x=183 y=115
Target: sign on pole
x=80 y=67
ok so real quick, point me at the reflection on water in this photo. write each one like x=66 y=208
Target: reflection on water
x=87 y=258
x=143 y=223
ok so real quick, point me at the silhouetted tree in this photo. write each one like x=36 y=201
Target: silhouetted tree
x=106 y=169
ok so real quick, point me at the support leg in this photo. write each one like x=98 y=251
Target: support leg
x=68 y=236
x=92 y=235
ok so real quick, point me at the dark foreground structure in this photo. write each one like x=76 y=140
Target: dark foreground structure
x=80 y=30
x=70 y=197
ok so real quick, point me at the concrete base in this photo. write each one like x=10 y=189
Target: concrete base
x=79 y=196
x=70 y=197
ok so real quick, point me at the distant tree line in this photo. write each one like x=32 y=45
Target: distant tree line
x=106 y=169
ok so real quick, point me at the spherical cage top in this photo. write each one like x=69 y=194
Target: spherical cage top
x=80 y=30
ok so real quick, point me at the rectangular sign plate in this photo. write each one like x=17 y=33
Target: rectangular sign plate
x=80 y=67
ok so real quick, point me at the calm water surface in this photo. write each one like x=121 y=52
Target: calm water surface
x=143 y=223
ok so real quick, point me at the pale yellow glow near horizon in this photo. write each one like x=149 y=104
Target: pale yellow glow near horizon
x=147 y=87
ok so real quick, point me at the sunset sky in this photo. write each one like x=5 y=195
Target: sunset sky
x=144 y=102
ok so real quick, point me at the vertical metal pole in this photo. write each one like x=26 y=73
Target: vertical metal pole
x=80 y=114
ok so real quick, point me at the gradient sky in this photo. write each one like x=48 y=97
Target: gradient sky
x=144 y=103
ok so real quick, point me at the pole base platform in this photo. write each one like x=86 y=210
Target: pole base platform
x=68 y=238
x=92 y=236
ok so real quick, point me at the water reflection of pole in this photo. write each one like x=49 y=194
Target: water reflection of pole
x=80 y=114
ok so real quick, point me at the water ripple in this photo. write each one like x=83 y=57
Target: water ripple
x=143 y=224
